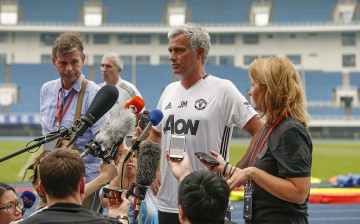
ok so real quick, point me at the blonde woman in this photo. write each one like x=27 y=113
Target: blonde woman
x=276 y=171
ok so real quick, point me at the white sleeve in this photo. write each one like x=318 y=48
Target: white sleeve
x=236 y=109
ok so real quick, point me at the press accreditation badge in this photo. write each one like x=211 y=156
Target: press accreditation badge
x=248 y=192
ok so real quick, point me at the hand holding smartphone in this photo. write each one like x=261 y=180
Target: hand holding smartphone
x=207 y=158
x=177 y=146
x=106 y=193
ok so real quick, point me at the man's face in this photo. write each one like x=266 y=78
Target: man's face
x=69 y=66
x=109 y=71
x=183 y=59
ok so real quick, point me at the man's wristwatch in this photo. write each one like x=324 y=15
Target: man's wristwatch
x=123 y=217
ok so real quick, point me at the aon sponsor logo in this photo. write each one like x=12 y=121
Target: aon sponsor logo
x=181 y=126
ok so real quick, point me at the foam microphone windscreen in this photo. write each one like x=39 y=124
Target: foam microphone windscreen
x=155 y=117
x=119 y=125
x=148 y=162
x=28 y=198
x=103 y=101
x=136 y=104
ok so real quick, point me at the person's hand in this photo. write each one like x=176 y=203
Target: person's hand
x=238 y=178
x=215 y=168
x=118 y=205
x=179 y=167
x=108 y=170
x=155 y=185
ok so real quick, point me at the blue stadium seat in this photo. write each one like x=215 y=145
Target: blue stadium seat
x=355 y=113
x=201 y=11
x=321 y=85
x=30 y=78
x=51 y=11
x=151 y=81
x=236 y=75
x=219 y=12
x=326 y=113
x=2 y=74
x=134 y=12
x=302 y=11
x=355 y=79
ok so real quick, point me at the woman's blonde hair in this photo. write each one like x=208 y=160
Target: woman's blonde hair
x=281 y=87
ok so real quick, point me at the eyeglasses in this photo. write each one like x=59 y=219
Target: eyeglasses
x=11 y=207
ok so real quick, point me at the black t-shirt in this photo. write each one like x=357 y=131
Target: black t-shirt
x=287 y=153
x=67 y=213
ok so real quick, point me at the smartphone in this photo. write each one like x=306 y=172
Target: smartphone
x=207 y=158
x=106 y=192
x=177 y=146
x=128 y=140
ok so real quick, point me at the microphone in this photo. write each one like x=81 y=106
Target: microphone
x=28 y=199
x=103 y=101
x=116 y=128
x=149 y=158
x=136 y=104
x=112 y=134
x=155 y=117
x=148 y=162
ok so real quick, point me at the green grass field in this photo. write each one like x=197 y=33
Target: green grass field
x=329 y=159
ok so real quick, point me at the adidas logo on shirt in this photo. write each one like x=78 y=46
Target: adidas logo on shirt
x=168 y=106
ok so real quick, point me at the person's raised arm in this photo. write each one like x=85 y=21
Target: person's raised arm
x=107 y=173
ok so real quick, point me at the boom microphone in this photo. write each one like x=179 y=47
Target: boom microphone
x=149 y=158
x=103 y=101
x=112 y=134
x=136 y=104
x=116 y=128
x=28 y=199
x=155 y=117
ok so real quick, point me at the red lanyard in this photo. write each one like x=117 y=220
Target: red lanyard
x=60 y=110
x=252 y=160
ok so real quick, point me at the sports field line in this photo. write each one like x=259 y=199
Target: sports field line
x=324 y=210
x=334 y=219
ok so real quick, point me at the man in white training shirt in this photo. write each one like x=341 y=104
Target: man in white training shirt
x=200 y=106
x=111 y=67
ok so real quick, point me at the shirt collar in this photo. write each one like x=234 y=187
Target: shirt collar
x=77 y=84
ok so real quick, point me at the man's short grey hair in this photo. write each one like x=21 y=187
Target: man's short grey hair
x=198 y=37
x=117 y=59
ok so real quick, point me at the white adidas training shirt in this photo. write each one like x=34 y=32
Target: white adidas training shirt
x=206 y=114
